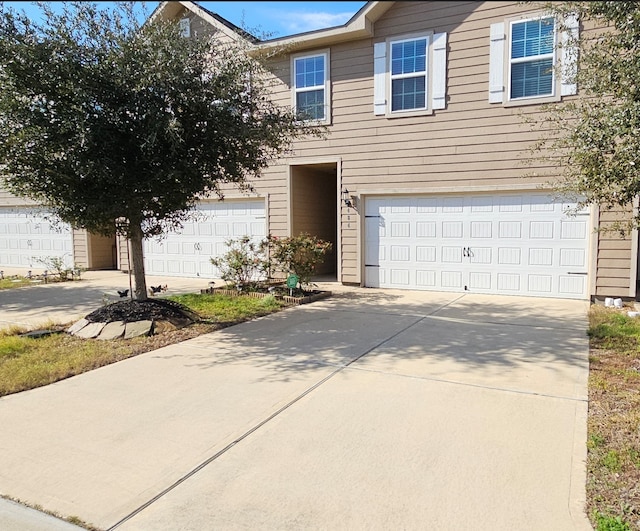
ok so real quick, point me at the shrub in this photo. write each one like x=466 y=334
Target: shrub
x=298 y=255
x=58 y=266
x=245 y=263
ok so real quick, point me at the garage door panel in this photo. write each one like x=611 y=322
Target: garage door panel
x=572 y=284
x=451 y=279
x=480 y=281
x=509 y=282
x=540 y=257
x=188 y=252
x=451 y=255
x=573 y=258
x=425 y=254
x=426 y=278
x=482 y=204
x=573 y=230
x=452 y=229
x=26 y=238
x=505 y=243
x=481 y=255
x=510 y=230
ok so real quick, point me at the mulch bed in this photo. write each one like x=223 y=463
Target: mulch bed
x=146 y=310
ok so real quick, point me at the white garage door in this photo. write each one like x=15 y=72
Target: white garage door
x=25 y=236
x=188 y=252
x=514 y=244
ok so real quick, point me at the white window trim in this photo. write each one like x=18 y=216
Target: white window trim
x=185 y=27
x=554 y=60
x=436 y=74
x=564 y=64
x=326 y=86
x=425 y=74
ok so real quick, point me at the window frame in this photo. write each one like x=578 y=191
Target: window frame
x=509 y=62
x=428 y=74
x=326 y=86
x=412 y=75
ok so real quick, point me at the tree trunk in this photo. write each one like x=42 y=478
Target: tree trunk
x=137 y=259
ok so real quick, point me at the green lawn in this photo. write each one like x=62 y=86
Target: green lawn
x=613 y=463
x=26 y=363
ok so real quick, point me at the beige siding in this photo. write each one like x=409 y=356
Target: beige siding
x=471 y=143
x=81 y=249
x=615 y=258
x=101 y=251
x=8 y=199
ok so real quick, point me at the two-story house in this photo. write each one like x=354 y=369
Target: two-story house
x=426 y=179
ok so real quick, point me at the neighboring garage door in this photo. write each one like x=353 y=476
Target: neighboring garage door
x=25 y=236
x=188 y=252
x=515 y=244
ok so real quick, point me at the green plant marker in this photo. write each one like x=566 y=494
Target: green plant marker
x=292 y=282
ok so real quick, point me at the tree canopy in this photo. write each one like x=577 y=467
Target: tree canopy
x=121 y=127
x=595 y=138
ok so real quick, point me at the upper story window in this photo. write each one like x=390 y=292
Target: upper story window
x=532 y=60
x=185 y=27
x=410 y=75
x=311 y=86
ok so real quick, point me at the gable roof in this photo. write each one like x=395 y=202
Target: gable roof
x=169 y=10
x=357 y=27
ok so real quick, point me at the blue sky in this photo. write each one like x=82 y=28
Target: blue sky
x=277 y=18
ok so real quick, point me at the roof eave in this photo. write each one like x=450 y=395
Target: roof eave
x=360 y=26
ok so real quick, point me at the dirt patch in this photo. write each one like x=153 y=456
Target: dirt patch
x=613 y=483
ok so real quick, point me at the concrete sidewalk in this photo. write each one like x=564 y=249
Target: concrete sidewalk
x=374 y=409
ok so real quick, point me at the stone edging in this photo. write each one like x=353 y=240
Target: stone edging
x=259 y=295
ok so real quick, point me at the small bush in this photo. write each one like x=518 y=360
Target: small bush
x=245 y=263
x=298 y=255
x=609 y=523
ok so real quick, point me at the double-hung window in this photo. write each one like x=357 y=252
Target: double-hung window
x=531 y=65
x=311 y=86
x=533 y=59
x=409 y=75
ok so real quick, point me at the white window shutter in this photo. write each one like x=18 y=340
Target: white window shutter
x=439 y=95
x=569 y=61
x=379 y=78
x=496 y=63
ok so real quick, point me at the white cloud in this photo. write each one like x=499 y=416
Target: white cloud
x=299 y=22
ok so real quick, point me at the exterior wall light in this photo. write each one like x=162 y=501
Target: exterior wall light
x=346 y=198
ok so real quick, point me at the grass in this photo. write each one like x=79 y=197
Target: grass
x=225 y=309
x=10 y=283
x=613 y=463
x=26 y=363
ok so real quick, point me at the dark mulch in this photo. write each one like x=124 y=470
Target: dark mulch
x=147 y=310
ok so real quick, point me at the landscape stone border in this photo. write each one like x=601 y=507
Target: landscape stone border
x=259 y=295
x=106 y=331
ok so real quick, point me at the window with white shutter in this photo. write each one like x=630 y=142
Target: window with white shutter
x=410 y=75
x=526 y=63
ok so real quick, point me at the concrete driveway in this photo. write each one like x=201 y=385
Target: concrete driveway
x=64 y=302
x=374 y=409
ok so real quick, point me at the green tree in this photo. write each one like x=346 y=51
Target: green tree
x=595 y=138
x=121 y=127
